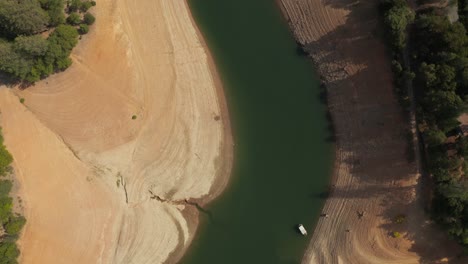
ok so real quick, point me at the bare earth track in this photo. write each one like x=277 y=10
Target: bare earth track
x=89 y=174
x=376 y=177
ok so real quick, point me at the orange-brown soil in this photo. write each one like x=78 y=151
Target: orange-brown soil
x=97 y=185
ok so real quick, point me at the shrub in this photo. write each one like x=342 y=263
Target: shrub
x=22 y=100
x=84 y=29
x=134 y=117
x=89 y=19
x=396 y=234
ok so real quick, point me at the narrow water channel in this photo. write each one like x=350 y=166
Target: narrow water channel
x=282 y=154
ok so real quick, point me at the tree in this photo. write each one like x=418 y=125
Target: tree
x=14 y=226
x=61 y=42
x=32 y=46
x=89 y=19
x=21 y=18
x=84 y=29
x=397 y=16
x=25 y=55
x=8 y=252
x=74 y=5
x=55 y=10
x=5 y=188
x=428 y=74
x=74 y=19
x=85 y=6
x=5 y=157
x=9 y=223
x=5 y=209
x=463 y=12
x=454 y=38
x=13 y=63
x=462 y=147
x=434 y=137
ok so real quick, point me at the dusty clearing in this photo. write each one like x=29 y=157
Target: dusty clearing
x=376 y=176
x=97 y=186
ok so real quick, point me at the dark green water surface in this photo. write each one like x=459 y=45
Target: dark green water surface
x=282 y=156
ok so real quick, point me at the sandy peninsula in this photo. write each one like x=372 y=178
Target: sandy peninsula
x=376 y=176
x=98 y=186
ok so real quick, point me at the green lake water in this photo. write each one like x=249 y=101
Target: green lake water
x=282 y=153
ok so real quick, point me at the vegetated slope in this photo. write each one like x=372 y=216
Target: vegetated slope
x=438 y=60
x=11 y=222
x=375 y=215
x=441 y=65
x=118 y=184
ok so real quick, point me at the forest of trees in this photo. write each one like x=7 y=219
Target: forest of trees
x=10 y=223
x=37 y=36
x=441 y=64
x=397 y=16
x=439 y=60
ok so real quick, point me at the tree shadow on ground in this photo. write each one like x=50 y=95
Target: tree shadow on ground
x=370 y=127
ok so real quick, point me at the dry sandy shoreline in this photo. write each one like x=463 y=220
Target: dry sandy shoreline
x=97 y=186
x=374 y=172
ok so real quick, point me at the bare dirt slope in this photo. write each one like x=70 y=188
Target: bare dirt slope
x=376 y=175
x=98 y=186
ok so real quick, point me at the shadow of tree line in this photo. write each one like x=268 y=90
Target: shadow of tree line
x=366 y=121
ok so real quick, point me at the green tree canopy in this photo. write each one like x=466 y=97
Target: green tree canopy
x=14 y=225
x=434 y=137
x=21 y=17
x=84 y=29
x=30 y=45
x=89 y=19
x=55 y=9
x=61 y=43
x=397 y=16
x=5 y=188
x=24 y=54
x=8 y=252
x=74 y=19
x=6 y=205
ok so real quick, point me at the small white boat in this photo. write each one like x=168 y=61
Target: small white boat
x=302 y=229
